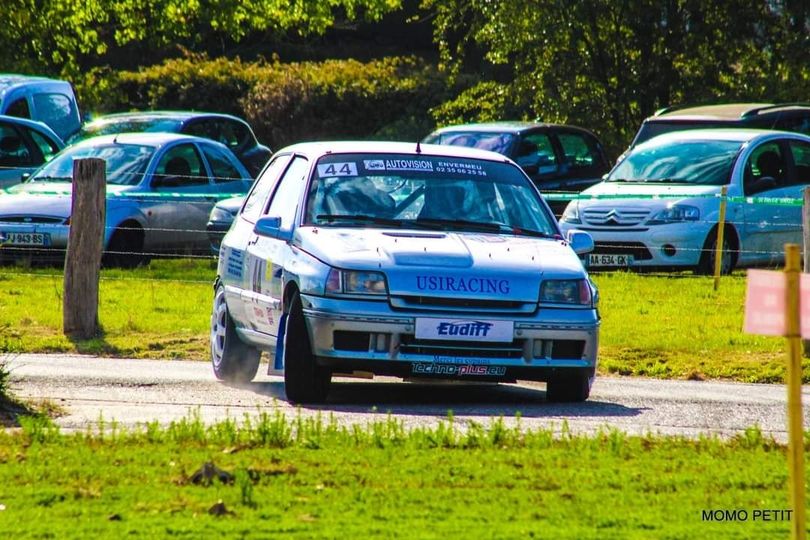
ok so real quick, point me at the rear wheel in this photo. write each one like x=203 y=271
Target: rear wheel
x=232 y=359
x=569 y=388
x=304 y=380
x=709 y=255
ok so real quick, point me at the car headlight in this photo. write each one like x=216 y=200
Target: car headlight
x=566 y=291
x=355 y=282
x=571 y=214
x=675 y=214
x=218 y=214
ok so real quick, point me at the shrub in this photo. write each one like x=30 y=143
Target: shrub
x=285 y=103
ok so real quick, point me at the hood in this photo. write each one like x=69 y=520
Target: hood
x=43 y=198
x=446 y=264
x=648 y=190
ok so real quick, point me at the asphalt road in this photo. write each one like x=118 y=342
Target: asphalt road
x=137 y=391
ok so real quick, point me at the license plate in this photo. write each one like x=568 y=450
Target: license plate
x=27 y=239
x=464 y=329
x=596 y=259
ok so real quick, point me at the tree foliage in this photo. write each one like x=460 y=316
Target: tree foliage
x=606 y=64
x=65 y=37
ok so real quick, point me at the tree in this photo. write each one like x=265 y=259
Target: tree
x=606 y=64
x=64 y=37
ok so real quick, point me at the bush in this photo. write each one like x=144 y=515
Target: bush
x=285 y=103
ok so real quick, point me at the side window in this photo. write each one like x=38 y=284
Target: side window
x=46 y=146
x=284 y=202
x=765 y=169
x=257 y=198
x=13 y=151
x=19 y=108
x=799 y=124
x=536 y=150
x=241 y=134
x=54 y=110
x=800 y=151
x=180 y=166
x=578 y=150
x=221 y=166
x=226 y=134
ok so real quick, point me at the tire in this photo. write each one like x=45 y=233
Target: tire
x=304 y=380
x=125 y=249
x=706 y=264
x=233 y=360
x=572 y=388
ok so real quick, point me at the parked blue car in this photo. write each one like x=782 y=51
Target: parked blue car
x=161 y=188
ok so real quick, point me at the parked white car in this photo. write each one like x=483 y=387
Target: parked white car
x=659 y=206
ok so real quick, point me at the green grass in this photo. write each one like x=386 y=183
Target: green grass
x=666 y=327
x=308 y=478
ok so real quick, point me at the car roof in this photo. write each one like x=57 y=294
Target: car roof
x=733 y=135
x=516 y=127
x=33 y=124
x=7 y=80
x=728 y=111
x=146 y=139
x=177 y=115
x=317 y=149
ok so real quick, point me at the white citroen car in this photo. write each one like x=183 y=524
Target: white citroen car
x=659 y=206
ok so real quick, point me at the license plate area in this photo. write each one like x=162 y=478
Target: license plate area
x=609 y=260
x=450 y=329
x=26 y=239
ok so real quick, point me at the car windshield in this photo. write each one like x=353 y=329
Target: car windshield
x=127 y=125
x=494 y=142
x=126 y=163
x=707 y=162
x=425 y=192
x=651 y=128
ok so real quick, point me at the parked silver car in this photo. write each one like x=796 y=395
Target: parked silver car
x=394 y=259
x=160 y=189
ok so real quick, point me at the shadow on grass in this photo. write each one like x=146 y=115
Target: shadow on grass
x=96 y=345
x=436 y=399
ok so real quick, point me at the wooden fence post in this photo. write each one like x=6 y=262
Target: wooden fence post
x=85 y=242
x=806 y=249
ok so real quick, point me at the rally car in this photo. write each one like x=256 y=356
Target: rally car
x=399 y=259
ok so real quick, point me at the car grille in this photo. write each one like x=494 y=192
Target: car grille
x=638 y=250
x=31 y=219
x=409 y=344
x=461 y=304
x=614 y=217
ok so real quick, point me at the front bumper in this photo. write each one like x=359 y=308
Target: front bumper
x=53 y=249
x=357 y=335
x=672 y=245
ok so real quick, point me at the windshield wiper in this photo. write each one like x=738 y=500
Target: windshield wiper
x=480 y=225
x=361 y=218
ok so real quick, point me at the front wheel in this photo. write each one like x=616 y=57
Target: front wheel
x=570 y=388
x=232 y=359
x=304 y=380
x=709 y=255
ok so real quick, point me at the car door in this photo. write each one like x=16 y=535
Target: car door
x=183 y=196
x=266 y=257
x=17 y=155
x=231 y=179
x=768 y=174
x=583 y=160
x=232 y=266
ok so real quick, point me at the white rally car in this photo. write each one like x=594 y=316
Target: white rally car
x=358 y=258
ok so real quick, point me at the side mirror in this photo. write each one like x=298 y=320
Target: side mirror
x=25 y=176
x=581 y=242
x=271 y=228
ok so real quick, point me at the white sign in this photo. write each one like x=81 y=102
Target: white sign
x=765 y=303
x=464 y=329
